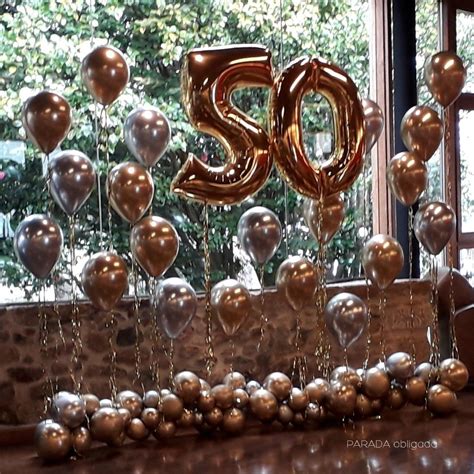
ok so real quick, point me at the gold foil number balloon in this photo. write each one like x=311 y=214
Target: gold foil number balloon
x=306 y=75
x=209 y=77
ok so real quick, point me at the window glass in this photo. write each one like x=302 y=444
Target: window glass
x=466 y=139
x=465 y=45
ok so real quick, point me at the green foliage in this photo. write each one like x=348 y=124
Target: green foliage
x=43 y=42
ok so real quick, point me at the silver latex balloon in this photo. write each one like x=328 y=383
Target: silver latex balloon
x=176 y=305
x=147 y=134
x=71 y=180
x=346 y=317
x=400 y=366
x=68 y=409
x=53 y=441
x=38 y=242
x=259 y=233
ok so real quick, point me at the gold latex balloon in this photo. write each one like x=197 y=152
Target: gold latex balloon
x=214 y=417
x=400 y=365
x=234 y=380
x=441 y=400
x=415 y=390
x=342 y=399
x=453 y=374
x=131 y=401
x=81 y=440
x=137 y=430
x=241 y=398
x=324 y=218
x=408 y=177
x=104 y=279
x=171 y=407
x=375 y=383
x=279 y=384
x=232 y=304
x=233 y=421
x=105 y=73
x=422 y=131
x=53 y=441
x=209 y=77
x=285 y=414
x=106 y=425
x=130 y=190
x=445 y=76
x=187 y=386
x=374 y=123
x=302 y=76
x=298 y=399
x=296 y=280
x=187 y=419
x=259 y=233
x=434 y=224
x=382 y=259
x=317 y=390
x=38 y=242
x=46 y=118
x=206 y=402
x=264 y=405
x=154 y=244
x=223 y=395
x=346 y=375
x=71 y=180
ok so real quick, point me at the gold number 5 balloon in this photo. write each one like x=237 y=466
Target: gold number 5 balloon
x=209 y=78
x=338 y=173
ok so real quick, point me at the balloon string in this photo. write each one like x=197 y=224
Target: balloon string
x=171 y=365
x=452 y=304
x=369 y=324
x=346 y=360
x=232 y=356
x=138 y=323
x=107 y=161
x=299 y=360
x=410 y=283
x=382 y=306
x=156 y=341
x=99 y=173
x=43 y=342
x=263 y=317
x=76 y=367
x=110 y=327
x=434 y=330
x=210 y=357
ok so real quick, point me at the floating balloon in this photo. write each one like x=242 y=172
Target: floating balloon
x=346 y=318
x=154 y=243
x=374 y=123
x=105 y=73
x=259 y=232
x=300 y=77
x=445 y=76
x=71 y=180
x=176 y=305
x=408 y=177
x=104 y=279
x=330 y=220
x=434 y=224
x=47 y=119
x=38 y=242
x=232 y=304
x=297 y=280
x=130 y=190
x=209 y=77
x=422 y=131
x=147 y=134
x=52 y=440
x=382 y=259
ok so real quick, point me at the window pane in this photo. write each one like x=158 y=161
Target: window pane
x=465 y=45
x=467 y=264
x=466 y=141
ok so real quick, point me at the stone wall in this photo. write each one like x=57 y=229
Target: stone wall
x=22 y=370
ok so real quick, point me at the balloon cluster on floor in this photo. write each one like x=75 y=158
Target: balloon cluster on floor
x=236 y=403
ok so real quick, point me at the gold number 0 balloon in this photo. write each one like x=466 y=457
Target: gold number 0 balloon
x=209 y=77
x=338 y=173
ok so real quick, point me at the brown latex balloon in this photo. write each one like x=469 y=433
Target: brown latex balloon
x=209 y=77
x=71 y=180
x=130 y=190
x=104 y=279
x=375 y=383
x=154 y=244
x=105 y=73
x=441 y=400
x=453 y=374
x=232 y=304
x=187 y=386
x=233 y=421
x=317 y=390
x=106 y=425
x=445 y=76
x=434 y=224
x=296 y=280
x=37 y=243
x=147 y=134
x=279 y=384
x=53 y=441
x=374 y=123
x=342 y=399
x=264 y=405
x=408 y=177
x=415 y=390
x=46 y=118
x=330 y=220
x=422 y=131
x=302 y=76
x=382 y=259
